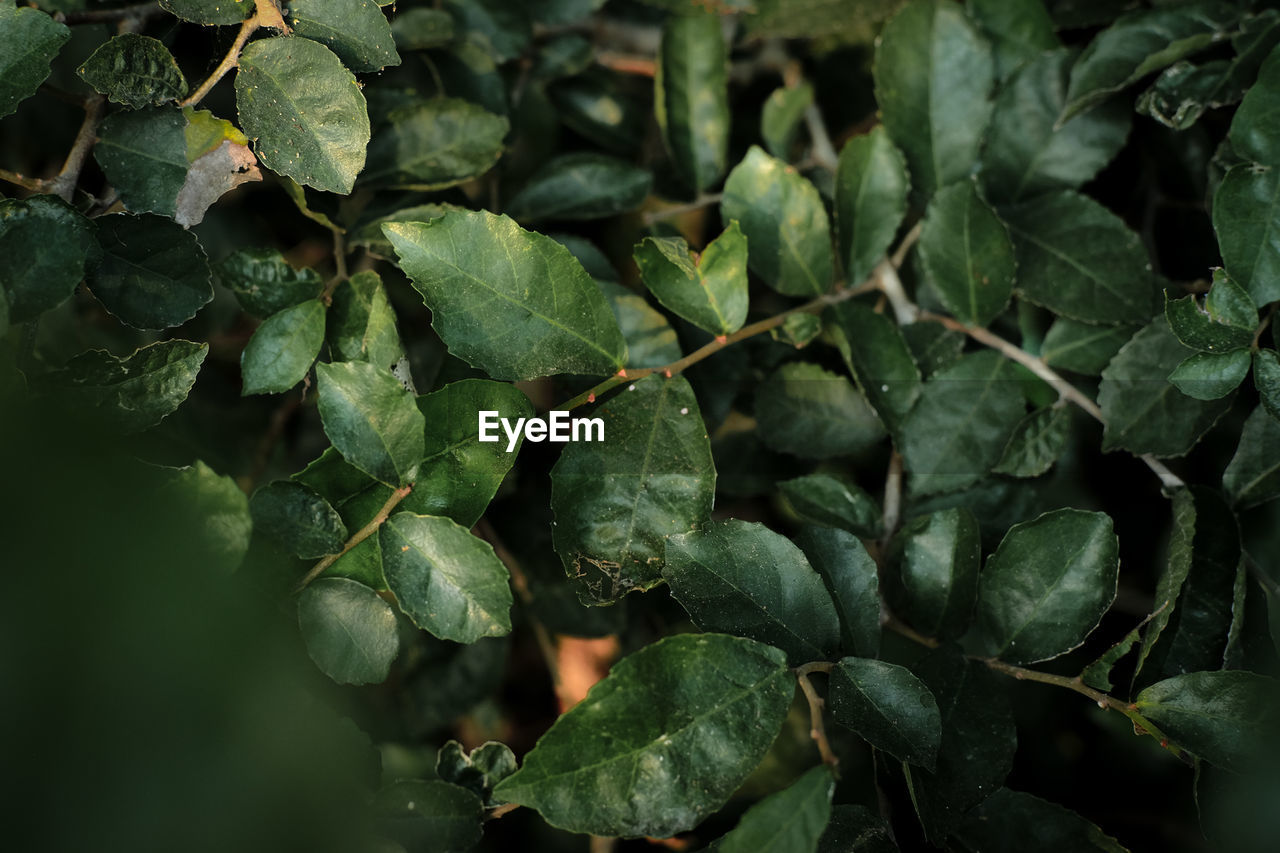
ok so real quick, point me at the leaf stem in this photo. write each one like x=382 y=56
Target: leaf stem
x=704 y=200
x=824 y=153
x=248 y=28
x=64 y=184
x=362 y=534
x=892 y=499
x=817 y=726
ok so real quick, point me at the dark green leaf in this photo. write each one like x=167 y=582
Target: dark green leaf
x=692 y=97
x=711 y=704
x=1047 y=585
x=790 y=821
x=356 y=30
x=144 y=155
x=153 y=273
x=604 y=107
x=1081 y=261
x=851 y=578
x=1254 y=127
x=135 y=392
x=350 y=632
x=785 y=222
x=832 y=502
x=282 y=349
x=710 y=289
x=932 y=582
x=1037 y=442
x=1012 y=822
x=617 y=501
x=371 y=420
x=1176 y=568
x=888 y=707
x=446 y=580
x=1143 y=411
x=435 y=144
x=506 y=26
x=302 y=520
x=44 y=246
x=1253 y=477
x=813 y=413
x=1098 y=674
x=29 y=40
x=552 y=319
x=1142 y=42
x=1026 y=153
x=1227 y=718
x=781 y=115
x=581 y=186
x=209 y=11
x=134 y=70
x=422 y=29
x=1082 y=348
x=1248 y=229
x=871 y=200
x=485 y=766
x=1224 y=321
x=855 y=829
x=742 y=578
x=958 y=430
x=264 y=282
x=933 y=77
x=1266 y=376
x=1211 y=376
x=651 y=342
x=879 y=359
x=361 y=325
x=967 y=255
x=1019 y=30
x=219 y=512
x=304 y=111
x=978 y=741
x=797 y=330
x=430 y=817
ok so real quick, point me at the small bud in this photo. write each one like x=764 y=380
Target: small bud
x=591 y=398
x=722 y=339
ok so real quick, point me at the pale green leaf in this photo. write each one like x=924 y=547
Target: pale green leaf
x=1211 y=376
x=709 y=289
x=871 y=201
x=692 y=97
x=371 y=420
x=282 y=349
x=651 y=342
x=349 y=631
x=361 y=324
x=781 y=115
x=790 y=821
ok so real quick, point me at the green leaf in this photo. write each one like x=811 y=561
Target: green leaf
x=1082 y=348
x=855 y=829
x=967 y=255
x=797 y=330
x=371 y=420
x=1080 y=260
x=958 y=430
x=507 y=27
x=585 y=185
x=781 y=115
x=264 y=283
x=282 y=349
x=1224 y=321
x=219 y=512
x=790 y=821
x=1253 y=476
x=933 y=79
x=932 y=578
x=435 y=144
x=44 y=247
x=1211 y=376
x=712 y=706
x=460 y=474
x=134 y=70
x=1047 y=585
x=617 y=501
x=144 y=155
x=368 y=233
x=888 y=707
x=422 y=29
x=692 y=97
x=742 y=578
x=785 y=222
x=877 y=354
x=1011 y=822
x=485 y=766
x=1019 y=31
x=153 y=273
x=304 y=111
x=832 y=502
x=1138 y=44
x=1037 y=442
x=1254 y=125
x=978 y=741
x=356 y=30
x=209 y=11
x=1026 y=153
x=850 y=576
x=1227 y=718
x=813 y=413
x=302 y=520
x=446 y=580
x=602 y=106
x=871 y=201
x=1266 y=376
x=550 y=317
x=710 y=289
x=1098 y=674
x=29 y=40
x=430 y=817
x=1143 y=411
x=361 y=325
x=135 y=392
x=1248 y=229
x=651 y=342
x=350 y=632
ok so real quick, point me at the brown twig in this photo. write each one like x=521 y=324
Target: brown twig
x=362 y=534
x=35 y=185
x=817 y=726
x=64 y=185
x=699 y=203
x=892 y=499
x=248 y=28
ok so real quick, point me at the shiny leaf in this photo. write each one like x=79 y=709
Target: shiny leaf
x=1248 y=229
x=282 y=349
x=1227 y=718
x=871 y=201
x=888 y=707
x=1211 y=376
x=709 y=289
x=356 y=30
x=813 y=413
x=304 y=522
x=371 y=420
x=350 y=632
x=435 y=144
x=966 y=253
x=877 y=354
x=134 y=70
x=932 y=580
x=832 y=502
x=29 y=40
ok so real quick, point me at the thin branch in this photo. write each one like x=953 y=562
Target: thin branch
x=892 y=499
x=886 y=275
x=138 y=11
x=1262 y=327
x=824 y=153
x=817 y=727
x=362 y=534
x=35 y=185
x=700 y=202
x=64 y=185
x=899 y=256
x=504 y=809
x=248 y=28
x=340 y=266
